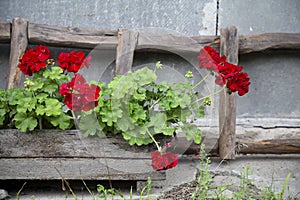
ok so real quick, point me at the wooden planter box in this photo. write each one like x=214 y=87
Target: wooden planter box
x=56 y=155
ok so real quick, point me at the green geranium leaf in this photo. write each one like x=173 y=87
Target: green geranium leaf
x=24 y=122
x=14 y=95
x=192 y=132
x=50 y=86
x=37 y=83
x=137 y=112
x=144 y=76
x=140 y=94
x=184 y=100
x=125 y=122
x=137 y=140
x=89 y=125
x=52 y=107
x=163 y=86
x=55 y=73
x=124 y=88
x=137 y=136
x=41 y=97
x=62 y=121
x=26 y=104
x=201 y=112
x=158 y=121
x=168 y=130
x=185 y=113
x=110 y=114
x=198 y=137
x=40 y=110
x=2 y=95
x=2 y=115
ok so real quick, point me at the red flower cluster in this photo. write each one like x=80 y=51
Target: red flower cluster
x=163 y=161
x=78 y=95
x=227 y=73
x=209 y=59
x=239 y=82
x=73 y=61
x=34 y=60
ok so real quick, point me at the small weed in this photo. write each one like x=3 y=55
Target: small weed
x=220 y=192
x=246 y=190
x=148 y=187
x=204 y=177
x=270 y=194
x=88 y=189
x=19 y=192
x=105 y=193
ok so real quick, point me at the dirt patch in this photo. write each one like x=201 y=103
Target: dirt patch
x=230 y=181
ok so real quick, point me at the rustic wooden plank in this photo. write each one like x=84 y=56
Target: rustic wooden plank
x=127 y=41
x=77 y=168
x=276 y=146
x=5 y=32
x=66 y=144
x=227 y=103
x=71 y=36
x=89 y=38
x=18 y=45
x=269 y=42
x=181 y=146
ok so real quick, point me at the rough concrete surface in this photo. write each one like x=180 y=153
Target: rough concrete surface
x=265 y=170
x=256 y=16
x=113 y=14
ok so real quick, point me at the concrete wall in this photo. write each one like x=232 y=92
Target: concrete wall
x=274 y=96
x=275 y=91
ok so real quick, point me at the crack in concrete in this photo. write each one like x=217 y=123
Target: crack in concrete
x=217 y=17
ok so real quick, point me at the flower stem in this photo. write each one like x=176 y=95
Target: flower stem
x=215 y=93
x=158 y=100
x=156 y=143
x=75 y=119
x=40 y=123
x=201 y=81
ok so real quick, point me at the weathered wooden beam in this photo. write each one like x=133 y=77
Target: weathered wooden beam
x=71 y=37
x=40 y=154
x=227 y=104
x=269 y=42
x=18 y=45
x=127 y=42
x=77 y=169
x=89 y=38
x=182 y=146
x=276 y=146
x=71 y=144
x=65 y=144
x=5 y=32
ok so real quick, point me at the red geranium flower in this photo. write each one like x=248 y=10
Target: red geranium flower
x=78 y=95
x=239 y=82
x=34 y=60
x=227 y=73
x=220 y=80
x=209 y=59
x=73 y=61
x=163 y=161
x=228 y=70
